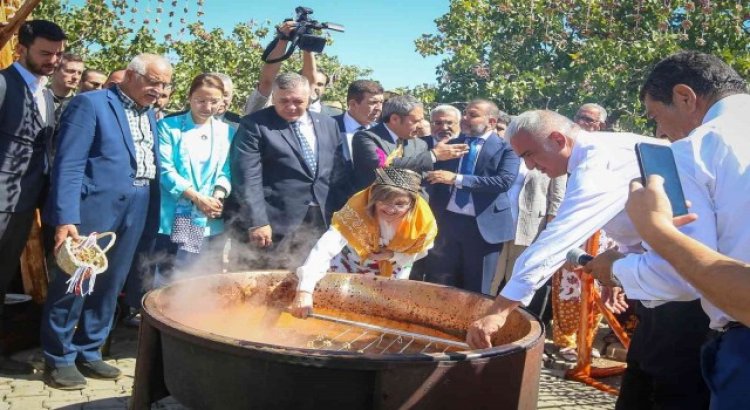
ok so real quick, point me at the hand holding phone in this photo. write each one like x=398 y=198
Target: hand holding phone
x=654 y=159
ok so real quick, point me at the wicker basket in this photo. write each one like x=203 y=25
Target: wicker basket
x=68 y=257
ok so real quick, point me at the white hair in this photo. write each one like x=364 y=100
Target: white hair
x=599 y=108
x=446 y=109
x=539 y=124
x=140 y=63
x=227 y=80
x=288 y=81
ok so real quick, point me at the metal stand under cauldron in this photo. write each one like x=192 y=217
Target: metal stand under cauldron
x=205 y=370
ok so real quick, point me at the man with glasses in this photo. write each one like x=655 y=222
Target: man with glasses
x=444 y=125
x=591 y=117
x=105 y=178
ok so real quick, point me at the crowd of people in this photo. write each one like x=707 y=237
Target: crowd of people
x=476 y=199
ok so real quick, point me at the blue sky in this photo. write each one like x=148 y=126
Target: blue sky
x=379 y=34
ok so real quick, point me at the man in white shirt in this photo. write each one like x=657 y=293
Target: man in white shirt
x=701 y=103
x=600 y=167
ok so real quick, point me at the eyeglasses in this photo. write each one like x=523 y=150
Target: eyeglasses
x=395 y=206
x=583 y=118
x=154 y=83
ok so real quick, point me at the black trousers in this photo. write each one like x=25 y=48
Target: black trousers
x=14 y=232
x=664 y=369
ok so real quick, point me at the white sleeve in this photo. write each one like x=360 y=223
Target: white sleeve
x=318 y=262
x=593 y=197
x=256 y=102
x=648 y=276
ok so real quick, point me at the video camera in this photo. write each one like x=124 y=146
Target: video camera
x=305 y=35
x=306 y=29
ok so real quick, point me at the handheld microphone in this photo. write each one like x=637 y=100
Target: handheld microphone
x=578 y=257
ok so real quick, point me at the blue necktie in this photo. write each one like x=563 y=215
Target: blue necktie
x=307 y=152
x=467 y=168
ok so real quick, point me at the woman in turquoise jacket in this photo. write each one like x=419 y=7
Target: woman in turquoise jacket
x=195 y=180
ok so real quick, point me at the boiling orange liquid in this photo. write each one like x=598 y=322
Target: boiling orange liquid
x=273 y=326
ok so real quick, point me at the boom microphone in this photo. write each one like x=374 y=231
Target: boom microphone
x=578 y=257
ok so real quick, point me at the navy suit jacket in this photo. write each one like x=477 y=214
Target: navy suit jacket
x=365 y=144
x=271 y=182
x=23 y=143
x=496 y=169
x=95 y=166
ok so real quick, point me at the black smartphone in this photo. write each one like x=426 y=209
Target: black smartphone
x=654 y=159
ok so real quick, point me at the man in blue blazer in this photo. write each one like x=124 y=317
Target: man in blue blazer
x=283 y=162
x=470 y=202
x=105 y=178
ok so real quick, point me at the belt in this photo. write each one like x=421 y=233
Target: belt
x=141 y=182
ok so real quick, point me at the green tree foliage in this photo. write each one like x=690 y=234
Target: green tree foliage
x=558 y=54
x=98 y=33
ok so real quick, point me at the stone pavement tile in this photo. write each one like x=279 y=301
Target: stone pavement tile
x=125 y=381
x=96 y=384
x=30 y=381
x=25 y=403
x=56 y=394
x=27 y=391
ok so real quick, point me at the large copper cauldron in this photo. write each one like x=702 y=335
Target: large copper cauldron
x=214 y=369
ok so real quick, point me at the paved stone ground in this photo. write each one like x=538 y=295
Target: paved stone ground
x=30 y=393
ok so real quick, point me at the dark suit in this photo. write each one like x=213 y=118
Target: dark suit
x=467 y=247
x=273 y=185
x=94 y=187
x=416 y=156
x=24 y=137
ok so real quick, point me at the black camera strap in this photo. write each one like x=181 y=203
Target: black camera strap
x=290 y=49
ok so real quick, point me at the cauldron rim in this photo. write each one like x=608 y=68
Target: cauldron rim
x=157 y=319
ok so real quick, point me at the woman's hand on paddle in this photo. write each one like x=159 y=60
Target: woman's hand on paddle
x=302 y=305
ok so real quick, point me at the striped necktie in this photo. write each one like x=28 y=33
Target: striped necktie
x=307 y=152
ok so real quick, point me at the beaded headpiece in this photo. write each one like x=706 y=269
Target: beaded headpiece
x=398 y=177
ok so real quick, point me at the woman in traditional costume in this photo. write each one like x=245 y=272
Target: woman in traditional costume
x=381 y=230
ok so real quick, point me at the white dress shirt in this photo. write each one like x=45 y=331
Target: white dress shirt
x=351 y=126
x=515 y=191
x=468 y=209
x=308 y=131
x=600 y=167
x=36 y=85
x=716 y=157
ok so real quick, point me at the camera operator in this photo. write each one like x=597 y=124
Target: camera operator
x=261 y=97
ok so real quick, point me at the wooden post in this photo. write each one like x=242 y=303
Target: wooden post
x=33 y=263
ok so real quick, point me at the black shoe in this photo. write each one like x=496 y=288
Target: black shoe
x=99 y=370
x=12 y=367
x=64 y=378
x=132 y=319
